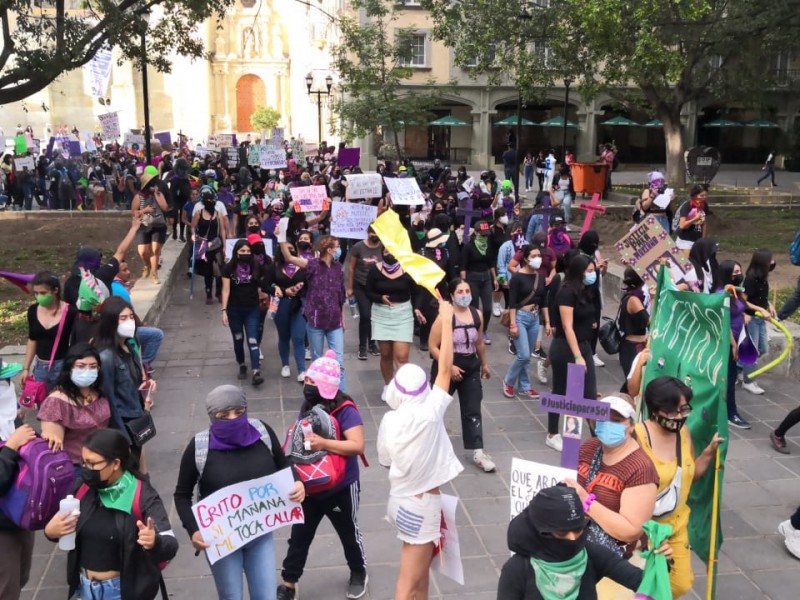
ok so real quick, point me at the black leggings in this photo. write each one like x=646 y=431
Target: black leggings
x=627 y=352
x=470 y=396
x=364 y=315
x=560 y=357
x=792 y=419
x=481 y=287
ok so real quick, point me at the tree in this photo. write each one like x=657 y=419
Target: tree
x=45 y=38
x=371 y=61
x=265 y=118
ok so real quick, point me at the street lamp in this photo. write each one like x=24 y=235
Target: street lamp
x=567 y=83
x=319 y=94
x=145 y=89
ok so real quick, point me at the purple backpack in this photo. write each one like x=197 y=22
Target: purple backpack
x=44 y=478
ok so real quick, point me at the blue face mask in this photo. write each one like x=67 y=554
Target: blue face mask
x=337 y=255
x=463 y=301
x=590 y=278
x=609 y=433
x=83 y=378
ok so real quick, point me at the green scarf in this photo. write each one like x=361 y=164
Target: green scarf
x=560 y=581
x=481 y=243
x=119 y=496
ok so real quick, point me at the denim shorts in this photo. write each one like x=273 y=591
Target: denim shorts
x=100 y=590
x=418 y=519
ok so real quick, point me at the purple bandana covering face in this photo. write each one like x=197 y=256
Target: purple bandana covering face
x=242 y=273
x=232 y=434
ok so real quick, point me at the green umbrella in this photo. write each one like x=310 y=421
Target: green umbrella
x=512 y=120
x=654 y=123
x=449 y=121
x=621 y=121
x=723 y=123
x=558 y=122
x=762 y=124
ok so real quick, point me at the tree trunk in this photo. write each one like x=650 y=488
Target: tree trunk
x=400 y=153
x=673 y=138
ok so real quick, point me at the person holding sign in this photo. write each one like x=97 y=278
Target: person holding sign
x=123 y=531
x=692 y=218
x=235 y=448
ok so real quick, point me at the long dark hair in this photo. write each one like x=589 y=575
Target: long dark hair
x=704 y=251
x=106 y=336
x=112 y=444
x=453 y=284
x=759 y=264
x=241 y=243
x=725 y=272
x=573 y=277
x=64 y=380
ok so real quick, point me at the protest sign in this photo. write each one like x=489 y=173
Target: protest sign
x=349 y=220
x=134 y=141
x=309 y=197
x=644 y=247
x=109 y=123
x=404 y=191
x=253 y=155
x=299 y=151
x=364 y=186
x=529 y=478
x=74 y=148
x=231 y=517
x=212 y=143
x=3 y=142
x=349 y=157
x=230 y=243
x=24 y=162
x=280 y=231
x=201 y=151
x=225 y=140
x=271 y=157
x=165 y=137
x=448 y=559
x=276 y=136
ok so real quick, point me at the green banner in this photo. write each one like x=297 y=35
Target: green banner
x=690 y=339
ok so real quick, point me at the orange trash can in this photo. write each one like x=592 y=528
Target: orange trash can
x=589 y=178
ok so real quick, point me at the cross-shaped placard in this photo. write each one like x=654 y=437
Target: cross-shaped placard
x=467 y=210
x=574 y=404
x=593 y=207
x=544 y=210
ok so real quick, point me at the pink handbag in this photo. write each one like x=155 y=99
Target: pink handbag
x=34 y=392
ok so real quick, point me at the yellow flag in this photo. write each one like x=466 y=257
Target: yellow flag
x=394 y=238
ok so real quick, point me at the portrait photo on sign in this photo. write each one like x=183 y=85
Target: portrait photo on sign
x=573 y=427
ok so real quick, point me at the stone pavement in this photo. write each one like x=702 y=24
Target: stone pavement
x=762 y=487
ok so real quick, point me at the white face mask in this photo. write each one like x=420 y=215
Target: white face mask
x=504 y=220
x=126 y=329
x=535 y=262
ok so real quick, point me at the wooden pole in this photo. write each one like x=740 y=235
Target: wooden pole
x=712 y=551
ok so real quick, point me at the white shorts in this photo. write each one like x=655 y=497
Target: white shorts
x=683 y=244
x=418 y=520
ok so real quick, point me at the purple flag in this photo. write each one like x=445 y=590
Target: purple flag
x=165 y=138
x=21 y=280
x=349 y=157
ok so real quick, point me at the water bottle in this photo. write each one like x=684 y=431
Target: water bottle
x=71 y=505
x=351 y=301
x=305 y=426
x=274 y=302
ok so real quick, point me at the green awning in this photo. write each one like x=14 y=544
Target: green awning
x=512 y=120
x=558 y=122
x=449 y=121
x=620 y=122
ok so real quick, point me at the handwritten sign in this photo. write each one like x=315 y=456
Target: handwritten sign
x=364 y=186
x=529 y=478
x=212 y=143
x=280 y=231
x=350 y=220
x=299 y=151
x=24 y=162
x=405 y=191
x=276 y=136
x=349 y=157
x=271 y=157
x=309 y=198
x=448 y=560
x=109 y=124
x=133 y=139
x=644 y=247
x=231 y=517
x=230 y=243
x=225 y=140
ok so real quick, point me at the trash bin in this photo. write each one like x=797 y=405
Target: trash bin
x=589 y=178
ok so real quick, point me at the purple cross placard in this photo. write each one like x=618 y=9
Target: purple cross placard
x=574 y=404
x=467 y=210
x=593 y=207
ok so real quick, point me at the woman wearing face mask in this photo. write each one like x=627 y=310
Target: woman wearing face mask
x=363 y=255
x=209 y=238
x=499 y=236
x=479 y=269
x=574 y=321
x=44 y=320
x=527 y=302
x=692 y=222
x=588 y=246
x=150 y=206
x=669 y=445
x=340 y=504
x=237 y=448
x=562 y=192
x=633 y=322
x=76 y=407
x=703 y=274
x=325 y=298
x=117 y=553
x=756 y=289
x=241 y=281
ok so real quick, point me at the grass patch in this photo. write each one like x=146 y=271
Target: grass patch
x=747 y=229
x=13 y=322
x=781 y=296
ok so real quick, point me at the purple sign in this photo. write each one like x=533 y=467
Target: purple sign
x=349 y=157
x=165 y=138
x=74 y=148
x=50 y=144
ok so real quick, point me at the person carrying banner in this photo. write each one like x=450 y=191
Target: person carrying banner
x=756 y=289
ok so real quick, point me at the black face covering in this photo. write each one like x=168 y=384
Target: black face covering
x=311 y=395
x=374 y=239
x=669 y=424
x=737 y=280
x=210 y=206
x=303 y=246
x=253 y=229
x=92 y=478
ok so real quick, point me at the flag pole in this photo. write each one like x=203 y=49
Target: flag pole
x=712 y=551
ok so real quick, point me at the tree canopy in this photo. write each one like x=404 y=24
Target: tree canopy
x=42 y=39
x=265 y=118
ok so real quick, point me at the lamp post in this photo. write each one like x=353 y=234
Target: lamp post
x=319 y=94
x=145 y=92
x=567 y=83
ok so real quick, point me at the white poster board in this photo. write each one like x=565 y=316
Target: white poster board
x=349 y=220
x=368 y=185
x=529 y=478
x=225 y=140
x=109 y=124
x=133 y=138
x=280 y=231
x=213 y=143
x=309 y=198
x=230 y=243
x=23 y=162
x=448 y=561
x=271 y=157
x=404 y=191
x=276 y=136
x=231 y=517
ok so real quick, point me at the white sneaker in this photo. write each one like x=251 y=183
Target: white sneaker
x=383 y=393
x=597 y=361
x=260 y=354
x=785 y=528
x=308 y=353
x=541 y=371
x=483 y=460
x=301 y=377
x=496 y=309
x=753 y=388
x=555 y=442
x=791 y=539
x=285 y=371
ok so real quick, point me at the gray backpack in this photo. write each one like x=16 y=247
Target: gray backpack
x=201 y=444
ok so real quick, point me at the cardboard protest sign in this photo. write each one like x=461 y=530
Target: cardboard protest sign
x=230 y=243
x=271 y=157
x=299 y=151
x=349 y=157
x=74 y=148
x=529 y=478
x=231 y=517
x=350 y=220
x=276 y=136
x=364 y=186
x=309 y=197
x=24 y=162
x=225 y=140
x=131 y=139
x=109 y=124
x=448 y=559
x=404 y=191
x=212 y=143
x=644 y=247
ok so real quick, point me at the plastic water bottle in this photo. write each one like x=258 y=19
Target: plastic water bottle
x=351 y=301
x=274 y=302
x=305 y=426
x=71 y=505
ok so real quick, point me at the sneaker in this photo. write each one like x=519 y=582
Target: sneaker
x=541 y=372
x=383 y=393
x=357 y=586
x=738 y=422
x=486 y=339
x=555 y=442
x=597 y=361
x=792 y=541
x=242 y=372
x=154 y=278
x=785 y=528
x=362 y=354
x=257 y=378
x=539 y=354
x=423 y=346
x=496 y=309
x=285 y=371
x=301 y=377
x=285 y=593
x=508 y=390
x=308 y=353
x=778 y=442
x=512 y=347
x=145 y=272
x=531 y=393
x=260 y=354
x=483 y=461
x=753 y=388
x=373 y=349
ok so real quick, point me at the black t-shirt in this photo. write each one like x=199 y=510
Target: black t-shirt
x=244 y=285
x=520 y=288
x=473 y=261
x=757 y=291
x=100 y=547
x=45 y=338
x=104 y=273
x=695 y=231
x=399 y=289
x=583 y=316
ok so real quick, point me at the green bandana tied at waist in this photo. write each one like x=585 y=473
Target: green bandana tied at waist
x=557 y=581
x=119 y=496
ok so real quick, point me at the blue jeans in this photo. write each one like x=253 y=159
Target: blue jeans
x=257 y=561
x=528 y=176
x=100 y=590
x=757 y=330
x=40 y=372
x=335 y=337
x=291 y=327
x=534 y=223
x=566 y=204
x=150 y=339
x=528 y=328
x=244 y=322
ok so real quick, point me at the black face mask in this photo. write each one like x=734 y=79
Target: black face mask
x=92 y=478
x=389 y=259
x=303 y=246
x=374 y=239
x=311 y=395
x=737 y=280
x=210 y=206
x=556 y=550
x=669 y=424
x=253 y=229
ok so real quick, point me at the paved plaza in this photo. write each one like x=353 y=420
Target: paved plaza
x=761 y=487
